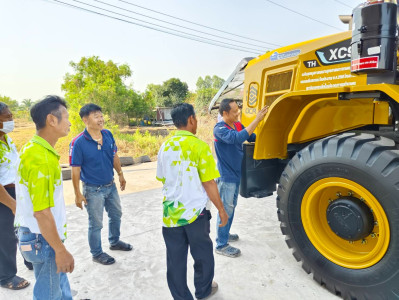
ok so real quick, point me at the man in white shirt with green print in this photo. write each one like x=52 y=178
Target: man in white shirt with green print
x=40 y=214
x=8 y=169
x=187 y=170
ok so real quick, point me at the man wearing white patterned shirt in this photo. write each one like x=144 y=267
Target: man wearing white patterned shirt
x=187 y=170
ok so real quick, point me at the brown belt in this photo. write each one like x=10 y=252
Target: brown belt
x=9 y=186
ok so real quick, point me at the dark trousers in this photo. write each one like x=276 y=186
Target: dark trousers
x=8 y=241
x=177 y=240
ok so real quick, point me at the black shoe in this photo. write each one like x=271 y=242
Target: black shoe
x=104 y=259
x=121 y=246
x=233 y=237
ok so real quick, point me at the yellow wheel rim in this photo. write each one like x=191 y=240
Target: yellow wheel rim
x=349 y=254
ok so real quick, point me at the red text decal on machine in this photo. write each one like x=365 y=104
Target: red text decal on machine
x=364 y=63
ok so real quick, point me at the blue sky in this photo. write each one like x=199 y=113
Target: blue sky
x=38 y=39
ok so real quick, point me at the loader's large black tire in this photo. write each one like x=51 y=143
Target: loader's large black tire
x=370 y=165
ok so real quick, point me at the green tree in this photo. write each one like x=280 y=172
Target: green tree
x=26 y=104
x=140 y=105
x=12 y=104
x=103 y=83
x=171 y=92
x=207 y=88
x=155 y=92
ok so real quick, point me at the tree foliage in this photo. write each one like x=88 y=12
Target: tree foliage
x=103 y=83
x=11 y=103
x=171 y=92
x=207 y=87
x=26 y=104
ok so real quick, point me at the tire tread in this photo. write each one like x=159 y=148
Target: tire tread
x=371 y=151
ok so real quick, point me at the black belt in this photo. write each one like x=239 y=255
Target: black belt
x=100 y=185
x=9 y=186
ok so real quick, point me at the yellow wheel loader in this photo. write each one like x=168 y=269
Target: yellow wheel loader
x=330 y=144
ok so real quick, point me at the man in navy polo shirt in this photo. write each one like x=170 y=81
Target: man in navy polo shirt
x=93 y=157
x=230 y=134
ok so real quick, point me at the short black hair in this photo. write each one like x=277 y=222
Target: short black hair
x=3 y=107
x=87 y=109
x=180 y=114
x=49 y=105
x=225 y=105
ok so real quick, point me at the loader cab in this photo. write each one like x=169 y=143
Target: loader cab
x=233 y=87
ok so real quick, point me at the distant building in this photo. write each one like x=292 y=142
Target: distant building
x=163 y=116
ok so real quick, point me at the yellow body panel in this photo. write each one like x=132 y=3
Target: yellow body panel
x=327 y=116
x=381 y=113
x=307 y=107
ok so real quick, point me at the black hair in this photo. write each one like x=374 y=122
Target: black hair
x=49 y=105
x=180 y=114
x=3 y=107
x=88 y=109
x=225 y=105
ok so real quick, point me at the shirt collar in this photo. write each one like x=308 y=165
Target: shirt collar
x=87 y=135
x=225 y=124
x=42 y=142
x=184 y=133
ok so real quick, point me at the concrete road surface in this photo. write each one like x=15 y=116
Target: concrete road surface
x=265 y=270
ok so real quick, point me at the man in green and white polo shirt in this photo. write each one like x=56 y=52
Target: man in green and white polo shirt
x=40 y=211
x=187 y=170
x=8 y=241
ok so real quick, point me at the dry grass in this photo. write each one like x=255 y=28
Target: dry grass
x=205 y=128
x=24 y=131
x=130 y=143
x=139 y=144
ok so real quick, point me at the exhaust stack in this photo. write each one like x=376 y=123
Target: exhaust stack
x=374 y=38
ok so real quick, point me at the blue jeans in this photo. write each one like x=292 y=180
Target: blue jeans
x=228 y=193
x=49 y=285
x=98 y=198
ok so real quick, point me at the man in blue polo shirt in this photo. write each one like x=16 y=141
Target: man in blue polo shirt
x=230 y=134
x=93 y=157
